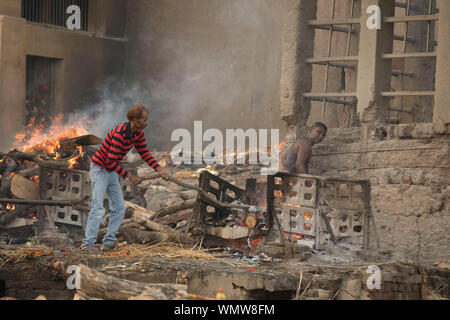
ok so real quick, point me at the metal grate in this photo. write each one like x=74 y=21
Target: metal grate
x=54 y=11
x=219 y=189
x=333 y=26
x=413 y=14
x=301 y=203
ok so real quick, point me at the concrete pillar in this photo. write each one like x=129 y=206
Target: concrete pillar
x=441 y=113
x=296 y=74
x=374 y=72
x=12 y=78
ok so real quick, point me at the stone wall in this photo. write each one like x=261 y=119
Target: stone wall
x=409 y=174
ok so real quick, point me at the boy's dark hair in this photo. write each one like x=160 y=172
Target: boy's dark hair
x=319 y=125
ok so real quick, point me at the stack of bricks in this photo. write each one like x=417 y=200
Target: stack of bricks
x=398 y=282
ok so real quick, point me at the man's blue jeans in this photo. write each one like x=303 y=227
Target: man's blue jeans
x=103 y=183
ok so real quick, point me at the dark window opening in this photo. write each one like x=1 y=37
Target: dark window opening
x=39 y=102
x=54 y=11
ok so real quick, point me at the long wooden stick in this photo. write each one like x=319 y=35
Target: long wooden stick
x=65 y=203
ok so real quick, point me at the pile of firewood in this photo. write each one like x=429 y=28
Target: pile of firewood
x=143 y=226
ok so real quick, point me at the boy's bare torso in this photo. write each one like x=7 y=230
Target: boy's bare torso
x=298 y=157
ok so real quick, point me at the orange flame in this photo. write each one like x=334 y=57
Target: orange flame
x=255 y=242
x=10 y=207
x=293 y=235
x=35 y=137
x=291 y=205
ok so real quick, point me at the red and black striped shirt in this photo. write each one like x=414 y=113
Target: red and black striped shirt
x=117 y=144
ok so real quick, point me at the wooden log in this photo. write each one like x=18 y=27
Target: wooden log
x=135 y=236
x=33 y=157
x=176 y=217
x=173 y=234
x=128 y=215
x=95 y=284
x=251 y=220
x=183 y=196
x=146 y=212
x=28 y=172
x=85 y=140
x=173 y=208
x=65 y=203
x=126 y=223
x=24 y=188
x=7 y=217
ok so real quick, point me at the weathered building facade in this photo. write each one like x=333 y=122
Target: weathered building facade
x=50 y=66
x=399 y=131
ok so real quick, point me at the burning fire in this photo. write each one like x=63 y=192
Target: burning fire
x=35 y=179
x=36 y=138
x=255 y=242
x=10 y=207
x=291 y=205
x=293 y=235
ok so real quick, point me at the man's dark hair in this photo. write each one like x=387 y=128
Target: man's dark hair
x=136 y=112
x=319 y=125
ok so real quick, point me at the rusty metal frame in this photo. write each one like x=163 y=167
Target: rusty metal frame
x=330 y=61
x=220 y=193
x=429 y=18
x=321 y=189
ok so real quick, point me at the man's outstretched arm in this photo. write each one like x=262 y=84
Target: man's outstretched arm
x=141 y=147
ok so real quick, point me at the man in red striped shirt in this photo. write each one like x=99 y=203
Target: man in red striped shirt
x=105 y=171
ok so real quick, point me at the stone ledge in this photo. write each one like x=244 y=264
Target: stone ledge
x=404 y=131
